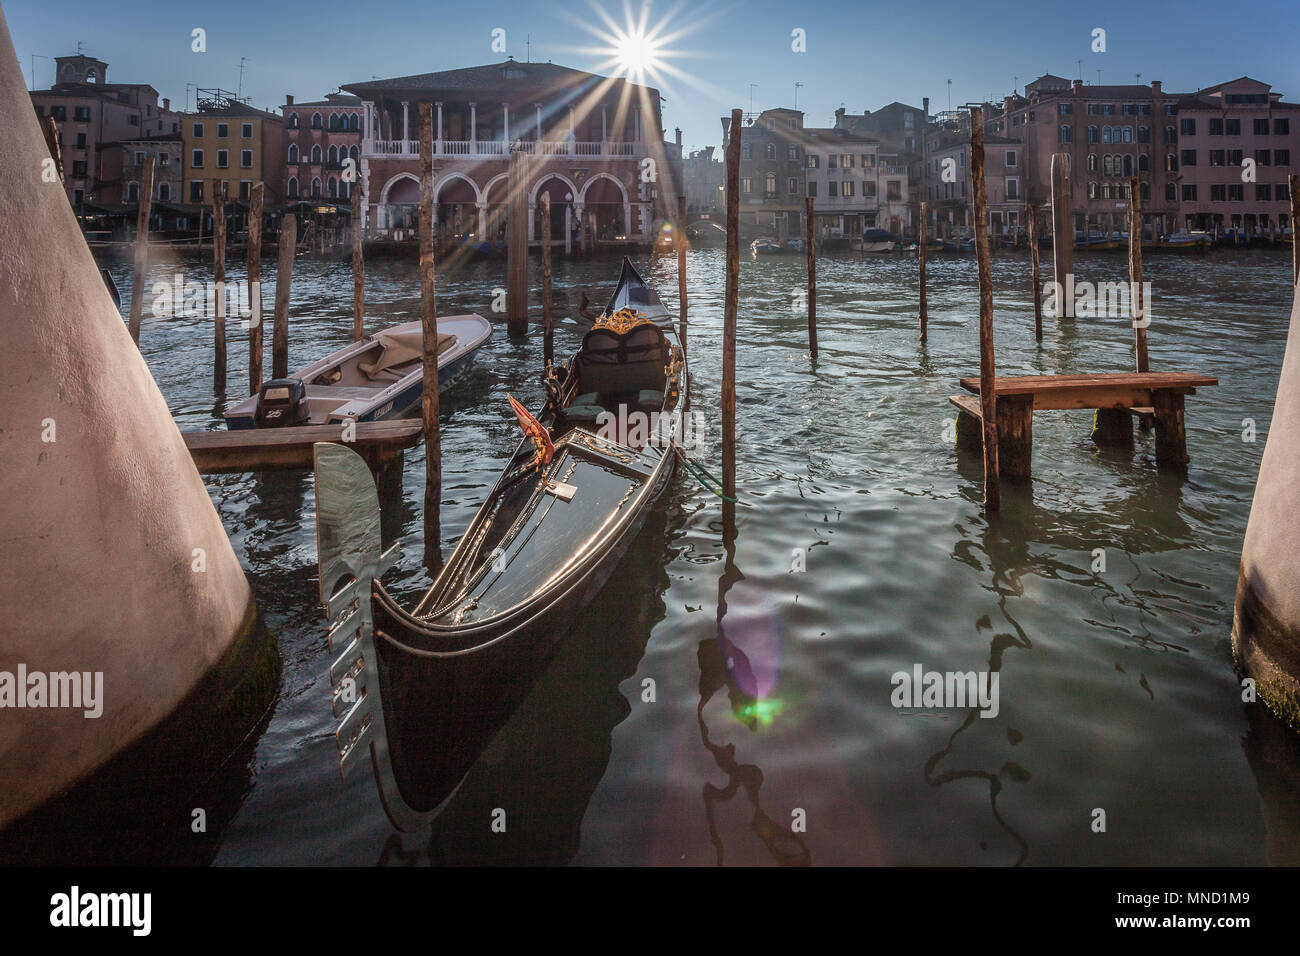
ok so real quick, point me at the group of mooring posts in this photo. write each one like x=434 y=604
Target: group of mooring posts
x=1000 y=422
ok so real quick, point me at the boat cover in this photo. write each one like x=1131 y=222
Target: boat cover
x=400 y=348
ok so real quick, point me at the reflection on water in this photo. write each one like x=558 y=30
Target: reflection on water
x=1117 y=686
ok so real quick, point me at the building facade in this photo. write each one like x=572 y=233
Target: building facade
x=320 y=138
x=228 y=141
x=593 y=144
x=1237 y=143
x=843 y=180
x=703 y=181
x=900 y=129
x=91 y=112
x=124 y=163
x=773 y=180
x=949 y=186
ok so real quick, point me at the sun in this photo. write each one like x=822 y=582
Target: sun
x=636 y=54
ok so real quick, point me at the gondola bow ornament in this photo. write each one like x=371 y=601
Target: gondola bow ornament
x=536 y=431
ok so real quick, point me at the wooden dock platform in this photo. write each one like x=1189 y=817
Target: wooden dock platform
x=1018 y=396
x=289 y=449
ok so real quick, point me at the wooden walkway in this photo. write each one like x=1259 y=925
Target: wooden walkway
x=1116 y=396
x=288 y=449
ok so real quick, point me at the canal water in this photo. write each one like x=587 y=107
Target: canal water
x=1120 y=737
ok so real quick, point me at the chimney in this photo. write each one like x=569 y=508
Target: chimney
x=839 y=115
x=167 y=104
x=1008 y=104
x=288 y=99
x=679 y=137
x=1078 y=87
x=1155 y=88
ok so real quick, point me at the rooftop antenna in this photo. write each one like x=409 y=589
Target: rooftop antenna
x=796 y=94
x=751 y=96
x=528 y=48
x=1138 y=77
x=1099 y=76
x=79 y=45
x=1079 y=64
x=950 y=96
x=188 y=87
x=1015 y=86
x=35 y=56
x=240 y=93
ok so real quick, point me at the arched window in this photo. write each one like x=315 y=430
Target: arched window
x=1105 y=134
x=293 y=121
x=1128 y=134
x=1144 y=134
x=1107 y=165
x=1171 y=162
x=1171 y=134
x=315 y=121
x=334 y=154
x=1092 y=190
x=292 y=187
x=1144 y=163
x=92 y=76
x=1092 y=159
x=771 y=151
x=1105 y=191
x=293 y=154
x=771 y=182
x=315 y=186
x=332 y=188
x=347 y=190
x=315 y=154
x=1092 y=134
x=355 y=152
x=1146 y=190
x=354 y=122
x=1128 y=165
x=334 y=122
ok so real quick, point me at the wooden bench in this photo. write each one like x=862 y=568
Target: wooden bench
x=287 y=449
x=1116 y=397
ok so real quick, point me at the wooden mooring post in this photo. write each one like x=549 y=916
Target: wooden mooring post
x=257 y=199
x=988 y=399
x=1138 y=305
x=429 y=404
x=1295 y=228
x=548 y=328
x=283 y=280
x=1037 y=278
x=920 y=270
x=517 y=244
x=729 y=320
x=141 y=246
x=358 y=266
x=1062 y=235
x=680 y=238
x=812 y=280
x=219 y=277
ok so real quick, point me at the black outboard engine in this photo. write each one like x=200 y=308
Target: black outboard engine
x=281 y=402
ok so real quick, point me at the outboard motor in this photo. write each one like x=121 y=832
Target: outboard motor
x=280 y=403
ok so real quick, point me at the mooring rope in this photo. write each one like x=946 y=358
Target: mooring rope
x=703 y=477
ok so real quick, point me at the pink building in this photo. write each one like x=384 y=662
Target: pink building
x=587 y=137
x=320 y=137
x=91 y=112
x=1236 y=145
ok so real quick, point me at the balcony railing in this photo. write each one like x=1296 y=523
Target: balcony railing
x=464 y=149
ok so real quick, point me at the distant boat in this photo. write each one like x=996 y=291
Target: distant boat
x=878 y=240
x=378 y=378
x=705 y=232
x=765 y=247
x=959 y=245
x=796 y=245
x=1179 y=242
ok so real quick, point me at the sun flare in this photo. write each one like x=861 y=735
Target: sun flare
x=636 y=54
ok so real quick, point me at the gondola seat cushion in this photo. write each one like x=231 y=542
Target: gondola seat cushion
x=610 y=363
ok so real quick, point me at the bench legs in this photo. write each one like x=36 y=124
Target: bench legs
x=1113 y=427
x=1015 y=436
x=1171 y=434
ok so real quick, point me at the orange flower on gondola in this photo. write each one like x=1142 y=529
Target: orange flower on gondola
x=536 y=431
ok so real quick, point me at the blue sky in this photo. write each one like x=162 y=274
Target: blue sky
x=859 y=54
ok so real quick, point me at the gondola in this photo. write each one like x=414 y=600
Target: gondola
x=425 y=689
